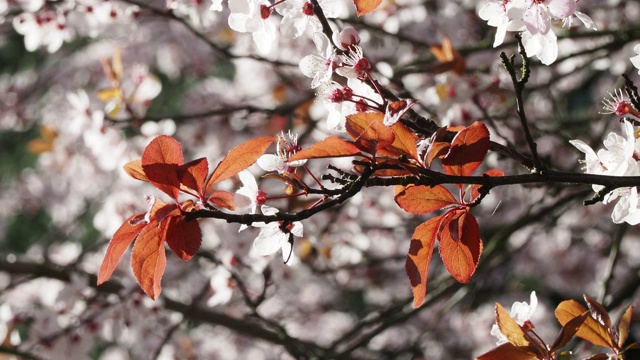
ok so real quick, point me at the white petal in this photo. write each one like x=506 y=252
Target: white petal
x=586 y=20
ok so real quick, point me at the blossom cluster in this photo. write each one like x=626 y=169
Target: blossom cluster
x=535 y=21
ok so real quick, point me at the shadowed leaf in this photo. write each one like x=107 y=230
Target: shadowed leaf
x=184 y=237
x=467 y=150
x=148 y=258
x=460 y=245
x=623 y=326
x=568 y=331
x=506 y=351
x=160 y=162
x=193 y=174
x=223 y=199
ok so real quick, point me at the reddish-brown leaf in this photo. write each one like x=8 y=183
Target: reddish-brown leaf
x=119 y=243
x=148 y=258
x=449 y=58
x=160 y=162
x=568 y=331
x=460 y=244
x=184 y=237
x=134 y=169
x=467 y=150
x=364 y=7
x=368 y=131
x=403 y=168
x=193 y=174
x=422 y=199
x=623 y=326
x=591 y=330
x=223 y=199
x=507 y=351
x=332 y=146
x=599 y=356
x=404 y=142
x=240 y=158
x=475 y=189
x=510 y=328
x=419 y=258
x=598 y=312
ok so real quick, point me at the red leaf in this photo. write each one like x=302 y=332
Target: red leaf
x=422 y=199
x=467 y=151
x=368 y=131
x=134 y=169
x=119 y=243
x=419 y=258
x=507 y=351
x=223 y=199
x=160 y=162
x=184 y=237
x=404 y=142
x=591 y=330
x=332 y=146
x=460 y=244
x=193 y=174
x=240 y=158
x=364 y=7
x=475 y=189
x=148 y=258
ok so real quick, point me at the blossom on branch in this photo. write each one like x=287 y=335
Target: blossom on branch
x=276 y=235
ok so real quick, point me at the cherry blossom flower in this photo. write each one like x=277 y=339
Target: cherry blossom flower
x=286 y=146
x=45 y=29
x=248 y=197
x=299 y=15
x=535 y=20
x=276 y=235
x=252 y=16
x=635 y=60
x=341 y=101
x=320 y=66
x=521 y=312
x=619 y=105
x=619 y=158
x=354 y=64
x=346 y=38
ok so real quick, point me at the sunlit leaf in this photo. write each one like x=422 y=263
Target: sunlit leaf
x=460 y=244
x=467 y=150
x=240 y=158
x=107 y=95
x=148 y=258
x=183 y=237
x=598 y=312
x=590 y=330
x=134 y=169
x=507 y=352
x=623 y=326
x=449 y=58
x=331 y=146
x=119 y=243
x=368 y=132
x=510 y=328
x=44 y=143
x=419 y=258
x=438 y=147
x=404 y=142
x=160 y=162
x=364 y=7
x=422 y=199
